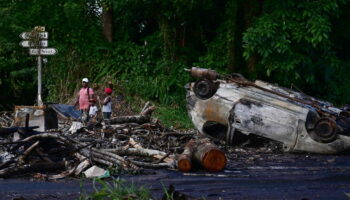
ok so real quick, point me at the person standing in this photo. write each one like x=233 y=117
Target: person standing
x=93 y=109
x=107 y=104
x=84 y=96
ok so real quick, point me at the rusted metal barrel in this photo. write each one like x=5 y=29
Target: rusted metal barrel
x=202 y=73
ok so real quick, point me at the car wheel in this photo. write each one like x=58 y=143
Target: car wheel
x=325 y=130
x=204 y=89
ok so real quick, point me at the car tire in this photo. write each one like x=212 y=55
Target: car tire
x=204 y=88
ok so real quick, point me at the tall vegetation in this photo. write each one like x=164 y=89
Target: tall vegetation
x=143 y=45
x=295 y=44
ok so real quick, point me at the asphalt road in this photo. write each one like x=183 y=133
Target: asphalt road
x=248 y=175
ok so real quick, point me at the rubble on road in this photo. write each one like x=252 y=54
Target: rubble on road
x=96 y=172
x=6 y=119
x=127 y=144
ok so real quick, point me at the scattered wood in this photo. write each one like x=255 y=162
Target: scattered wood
x=203 y=152
x=145 y=107
x=16 y=170
x=81 y=167
x=127 y=144
x=63 y=174
x=210 y=156
x=154 y=153
x=184 y=162
x=30 y=149
x=6 y=118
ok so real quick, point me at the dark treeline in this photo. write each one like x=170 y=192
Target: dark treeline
x=144 y=45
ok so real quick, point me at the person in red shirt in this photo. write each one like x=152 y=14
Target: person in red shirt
x=107 y=104
x=83 y=99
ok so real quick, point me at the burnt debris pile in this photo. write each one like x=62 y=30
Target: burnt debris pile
x=125 y=144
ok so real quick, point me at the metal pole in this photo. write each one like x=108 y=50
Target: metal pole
x=40 y=101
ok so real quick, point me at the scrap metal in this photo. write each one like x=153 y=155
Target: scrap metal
x=223 y=106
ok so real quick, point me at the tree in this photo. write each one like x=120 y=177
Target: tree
x=145 y=44
x=292 y=40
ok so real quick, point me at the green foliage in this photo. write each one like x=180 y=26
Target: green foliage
x=173 y=116
x=66 y=23
x=304 y=43
x=293 y=41
x=136 y=69
x=116 y=190
x=219 y=52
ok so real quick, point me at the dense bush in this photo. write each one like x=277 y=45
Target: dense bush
x=150 y=42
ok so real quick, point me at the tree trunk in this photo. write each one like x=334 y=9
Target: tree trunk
x=203 y=152
x=209 y=156
x=107 y=19
x=144 y=117
x=232 y=34
x=169 y=37
x=184 y=162
x=252 y=9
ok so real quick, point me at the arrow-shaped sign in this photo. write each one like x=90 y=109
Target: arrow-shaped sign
x=27 y=43
x=43 y=52
x=26 y=35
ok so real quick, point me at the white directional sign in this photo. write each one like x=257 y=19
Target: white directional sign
x=42 y=35
x=36 y=40
x=43 y=52
x=27 y=43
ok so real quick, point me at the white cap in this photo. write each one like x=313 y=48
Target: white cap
x=86 y=80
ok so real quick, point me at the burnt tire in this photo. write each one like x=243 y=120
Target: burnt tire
x=204 y=88
x=325 y=130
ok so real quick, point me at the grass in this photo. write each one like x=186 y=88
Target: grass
x=173 y=116
x=170 y=115
x=120 y=190
x=116 y=190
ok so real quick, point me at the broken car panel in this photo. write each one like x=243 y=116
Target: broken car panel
x=222 y=105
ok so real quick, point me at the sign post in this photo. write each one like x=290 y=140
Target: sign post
x=36 y=40
x=40 y=101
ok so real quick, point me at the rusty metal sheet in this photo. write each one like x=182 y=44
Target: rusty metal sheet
x=42 y=116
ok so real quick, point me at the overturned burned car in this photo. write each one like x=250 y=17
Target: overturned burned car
x=222 y=106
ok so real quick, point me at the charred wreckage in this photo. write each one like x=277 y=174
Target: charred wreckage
x=225 y=106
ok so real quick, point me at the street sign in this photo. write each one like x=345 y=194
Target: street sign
x=26 y=35
x=36 y=39
x=27 y=43
x=43 y=52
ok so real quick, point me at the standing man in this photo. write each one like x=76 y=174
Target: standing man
x=85 y=95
